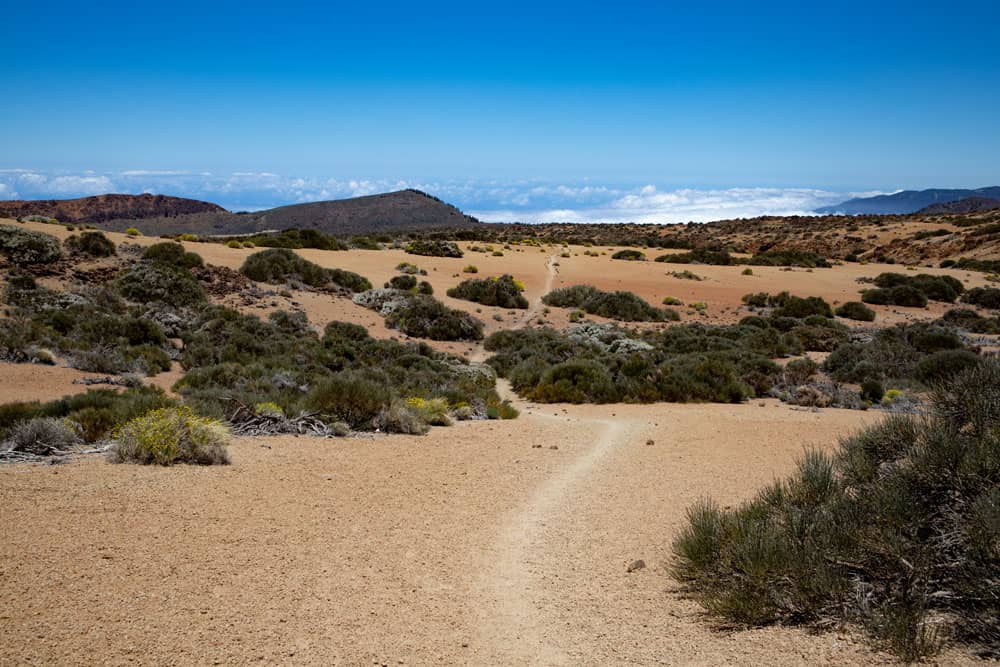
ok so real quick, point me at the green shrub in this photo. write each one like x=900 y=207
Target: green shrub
x=972 y=321
x=174 y=254
x=281 y=265
x=855 y=310
x=432 y=248
x=160 y=283
x=94 y=244
x=793 y=306
x=985 y=297
x=629 y=255
x=624 y=306
x=132 y=231
x=872 y=391
x=471 y=268
x=350 y=396
x=904 y=510
x=934 y=288
x=902 y=295
x=294 y=239
x=789 y=258
x=892 y=354
x=502 y=292
x=171 y=435
x=403 y=282
x=942 y=365
x=423 y=316
x=698 y=256
x=24 y=247
x=398 y=418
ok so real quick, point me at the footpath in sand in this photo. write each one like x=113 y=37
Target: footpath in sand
x=484 y=543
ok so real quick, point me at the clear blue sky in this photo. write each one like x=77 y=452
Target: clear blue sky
x=705 y=95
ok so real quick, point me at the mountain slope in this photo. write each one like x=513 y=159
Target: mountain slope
x=967 y=205
x=102 y=208
x=405 y=210
x=907 y=201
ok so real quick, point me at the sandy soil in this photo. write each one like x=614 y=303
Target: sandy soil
x=466 y=546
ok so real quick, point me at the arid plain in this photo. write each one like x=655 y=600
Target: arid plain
x=470 y=545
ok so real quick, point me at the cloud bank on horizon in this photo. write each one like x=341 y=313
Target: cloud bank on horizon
x=491 y=201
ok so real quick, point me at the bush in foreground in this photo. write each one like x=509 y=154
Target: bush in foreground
x=42 y=436
x=171 y=435
x=898 y=531
x=93 y=244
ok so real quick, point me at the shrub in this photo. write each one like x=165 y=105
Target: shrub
x=294 y=239
x=403 y=282
x=902 y=295
x=672 y=301
x=985 y=297
x=42 y=436
x=934 y=288
x=407 y=267
x=424 y=287
x=24 y=247
x=502 y=292
x=747 y=272
x=433 y=248
x=281 y=265
x=173 y=254
x=794 y=306
x=132 y=231
x=350 y=396
x=905 y=510
x=471 y=268
x=424 y=316
x=855 y=310
x=698 y=256
x=624 y=306
x=171 y=435
x=398 y=418
x=160 y=283
x=94 y=244
x=629 y=255
x=799 y=370
x=872 y=391
x=789 y=258
x=944 y=364
x=970 y=320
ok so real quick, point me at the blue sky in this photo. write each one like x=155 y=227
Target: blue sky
x=651 y=111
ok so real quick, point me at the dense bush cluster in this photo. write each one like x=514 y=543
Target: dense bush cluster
x=281 y=265
x=95 y=329
x=912 y=291
x=969 y=264
x=159 y=282
x=501 y=291
x=764 y=258
x=24 y=247
x=698 y=256
x=601 y=364
x=971 y=321
x=433 y=248
x=294 y=239
x=92 y=415
x=985 y=297
x=787 y=305
x=898 y=532
x=345 y=375
x=896 y=353
x=91 y=244
x=624 y=306
x=421 y=315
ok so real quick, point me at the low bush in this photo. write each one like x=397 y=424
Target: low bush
x=624 y=306
x=902 y=295
x=699 y=256
x=398 y=418
x=42 y=436
x=171 y=435
x=92 y=244
x=794 y=306
x=502 y=292
x=985 y=297
x=471 y=268
x=295 y=239
x=933 y=288
x=24 y=247
x=403 y=282
x=160 y=283
x=434 y=248
x=897 y=528
x=174 y=254
x=629 y=255
x=423 y=316
x=855 y=310
x=800 y=258
x=944 y=364
x=971 y=321
x=281 y=265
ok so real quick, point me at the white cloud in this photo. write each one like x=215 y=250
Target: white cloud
x=7 y=192
x=80 y=185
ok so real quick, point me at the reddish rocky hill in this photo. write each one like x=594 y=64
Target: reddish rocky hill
x=101 y=208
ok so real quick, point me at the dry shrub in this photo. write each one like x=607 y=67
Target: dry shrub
x=171 y=435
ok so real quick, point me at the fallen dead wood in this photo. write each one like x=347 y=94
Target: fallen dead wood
x=245 y=421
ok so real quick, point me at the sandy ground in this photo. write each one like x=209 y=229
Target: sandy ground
x=465 y=546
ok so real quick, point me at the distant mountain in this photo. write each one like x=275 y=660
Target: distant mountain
x=405 y=210
x=967 y=205
x=907 y=201
x=102 y=208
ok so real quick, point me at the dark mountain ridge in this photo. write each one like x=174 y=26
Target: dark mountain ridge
x=967 y=205
x=101 y=208
x=907 y=201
